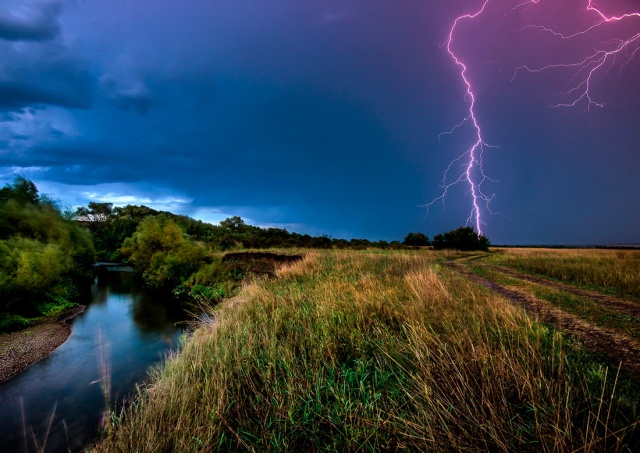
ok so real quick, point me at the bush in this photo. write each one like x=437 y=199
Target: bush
x=10 y=322
x=463 y=238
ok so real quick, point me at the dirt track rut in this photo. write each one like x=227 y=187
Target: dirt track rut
x=617 y=347
x=622 y=306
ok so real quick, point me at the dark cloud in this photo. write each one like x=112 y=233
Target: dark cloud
x=46 y=75
x=72 y=92
x=30 y=21
x=136 y=96
x=42 y=70
x=323 y=114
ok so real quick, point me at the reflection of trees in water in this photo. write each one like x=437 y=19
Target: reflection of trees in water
x=113 y=282
x=155 y=313
x=99 y=292
x=152 y=311
x=122 y=282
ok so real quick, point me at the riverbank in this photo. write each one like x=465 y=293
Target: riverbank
x=19 y=350
x=378 y=350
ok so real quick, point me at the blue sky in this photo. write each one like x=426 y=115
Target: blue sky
x=322 y=117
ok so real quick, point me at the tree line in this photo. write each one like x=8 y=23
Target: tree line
x=111 y=226
x=47 y=254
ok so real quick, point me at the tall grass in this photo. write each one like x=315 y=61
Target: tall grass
x=612 y=271
x=359 y=351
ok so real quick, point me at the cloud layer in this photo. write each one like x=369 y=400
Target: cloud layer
x=325 y=115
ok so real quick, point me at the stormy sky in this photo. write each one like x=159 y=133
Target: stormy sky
x=322 y=116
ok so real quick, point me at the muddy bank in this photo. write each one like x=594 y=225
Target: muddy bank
x=19 y=350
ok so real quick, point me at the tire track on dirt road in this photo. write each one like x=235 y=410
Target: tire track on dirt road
x=618 y=348
x=623 y=306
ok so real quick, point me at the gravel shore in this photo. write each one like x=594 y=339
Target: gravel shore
x=19 y=350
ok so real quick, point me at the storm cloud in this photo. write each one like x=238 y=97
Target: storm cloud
x=42 y=70
x=29 y=20
x=324 y=115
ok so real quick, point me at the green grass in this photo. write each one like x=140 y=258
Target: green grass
x=376 y=351
x=615 y=272
x=495 y=276
x=592 y=311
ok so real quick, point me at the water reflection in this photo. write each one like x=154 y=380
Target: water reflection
x=137 y=329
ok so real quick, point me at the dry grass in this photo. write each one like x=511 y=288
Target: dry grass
x=612 y=271
x=594 y=311
x=364 y=351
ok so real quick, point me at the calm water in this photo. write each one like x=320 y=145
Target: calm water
x=133 y=328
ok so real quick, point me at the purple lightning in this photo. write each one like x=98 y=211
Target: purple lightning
x=601 y=59
x=579 y=89
x=474 y=153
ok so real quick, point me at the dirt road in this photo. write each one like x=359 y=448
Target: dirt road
x=618 y=348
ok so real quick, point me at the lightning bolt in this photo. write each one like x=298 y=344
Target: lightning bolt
x=579 y=89
x=472 y=172
x=585 y=70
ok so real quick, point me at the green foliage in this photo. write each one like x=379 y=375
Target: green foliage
x=10 y=322
x=162 y=254
x=214 y=281
x=42 y=254
x=112 y=226
x=463 y=238
x=416 y=239
x=22 y=191
x=208 y=292
x=235 y=224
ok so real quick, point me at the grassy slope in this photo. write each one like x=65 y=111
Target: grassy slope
x=356 y=350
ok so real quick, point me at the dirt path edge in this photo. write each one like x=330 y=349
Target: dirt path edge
x=624 y=306
x=19 y=350
x=615 y=346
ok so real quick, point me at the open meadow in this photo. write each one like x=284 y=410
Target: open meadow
x=377 y=350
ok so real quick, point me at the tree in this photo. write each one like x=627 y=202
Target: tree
x=95 y=212
x=161 y=253
x=462 y=238
x=235 y=224
x=43 y=255
x=416 y=239
x=23 y=191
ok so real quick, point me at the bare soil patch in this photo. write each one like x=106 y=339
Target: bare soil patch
x=19 y=350
x=618 y=348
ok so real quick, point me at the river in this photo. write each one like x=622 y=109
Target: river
x=129 y=327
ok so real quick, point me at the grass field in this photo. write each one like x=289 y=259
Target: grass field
x=368 y=351
x=615 y=272
x=593 y=311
